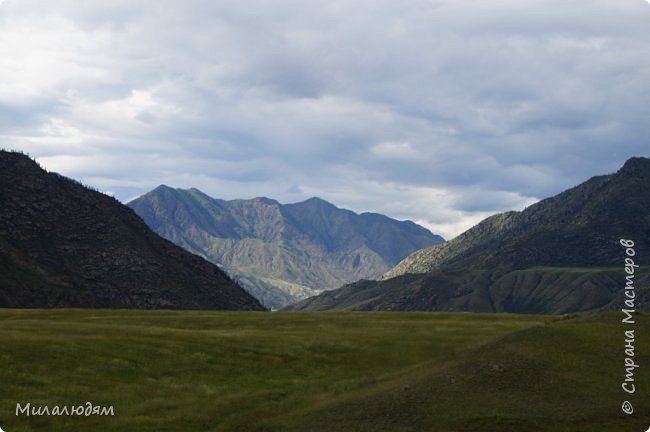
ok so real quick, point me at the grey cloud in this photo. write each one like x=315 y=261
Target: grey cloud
x=436 y=111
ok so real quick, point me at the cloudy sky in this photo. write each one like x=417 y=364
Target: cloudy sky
x=442 y=112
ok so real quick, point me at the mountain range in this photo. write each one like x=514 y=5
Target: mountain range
x=559 y=255
x=281 y=253
x=64 y=245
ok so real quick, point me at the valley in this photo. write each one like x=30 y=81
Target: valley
x=233 y=371
x=513 y=325
x=381 y=216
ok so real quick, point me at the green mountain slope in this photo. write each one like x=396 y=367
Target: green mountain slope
x=281 y=253
x=63 y=245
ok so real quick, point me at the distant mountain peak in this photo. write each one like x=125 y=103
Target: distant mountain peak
x=317 y=202
x=163 y=187
x=271 y=248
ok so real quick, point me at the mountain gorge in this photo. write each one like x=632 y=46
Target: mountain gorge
x=282 y=253
x=559 y=255
x=64 y=245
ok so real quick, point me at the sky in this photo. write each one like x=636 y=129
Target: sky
x=441 y=112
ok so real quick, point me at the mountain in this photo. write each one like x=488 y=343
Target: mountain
x=282 y=252
x=64 y=245
x=559 y=255
x=579 y=227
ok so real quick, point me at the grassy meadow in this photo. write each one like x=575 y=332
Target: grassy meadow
x=234 y=371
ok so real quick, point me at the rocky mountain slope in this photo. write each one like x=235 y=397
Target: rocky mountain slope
x=282 y=252
x=64 y=245
x=579 y=227
x=559 y=255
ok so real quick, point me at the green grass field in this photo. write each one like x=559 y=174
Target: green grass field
x=219 y=371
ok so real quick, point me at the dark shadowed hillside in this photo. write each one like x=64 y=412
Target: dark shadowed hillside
x=63 y=245
x=544 y=290
x=282 y=253
x=560 y=255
